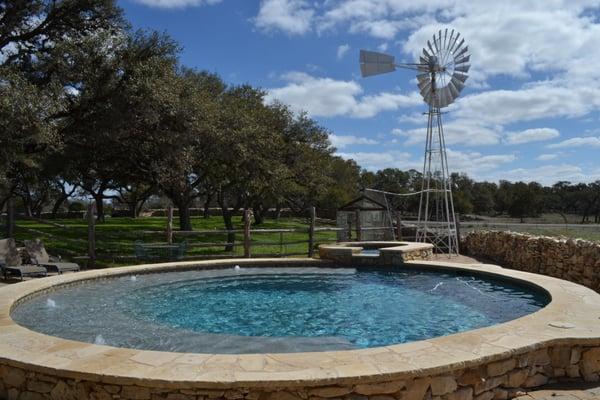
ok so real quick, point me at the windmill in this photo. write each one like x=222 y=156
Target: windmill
x=441 y=74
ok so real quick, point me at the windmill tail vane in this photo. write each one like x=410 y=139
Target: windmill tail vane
x=441 y=72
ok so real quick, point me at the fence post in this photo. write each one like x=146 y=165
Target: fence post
x=247 y=216
x=398 y=226
x=358 y=226
x=457 y=223
x=311 y=232
x=170 y=224
x=10 y=218
x=91 y=235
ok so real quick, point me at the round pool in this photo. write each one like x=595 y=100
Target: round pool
x=260 y=310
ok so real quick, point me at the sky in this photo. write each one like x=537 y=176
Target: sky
x=530 y=109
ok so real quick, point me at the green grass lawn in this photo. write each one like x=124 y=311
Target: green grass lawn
x=115 y=237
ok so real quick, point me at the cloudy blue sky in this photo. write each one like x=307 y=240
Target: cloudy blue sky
x=529 y=112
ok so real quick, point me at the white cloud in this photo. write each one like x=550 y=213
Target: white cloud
x=177 y=3
x=289 y=16
x=326 y=97
x=473 y=163
x=547 y=157
x=456 y=132
x=378 y=160
x=531 y=135
x=341 y=141
x=590 y=141
x=550 y=174
x=342 y=50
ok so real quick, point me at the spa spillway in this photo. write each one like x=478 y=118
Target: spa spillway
x=270 y=329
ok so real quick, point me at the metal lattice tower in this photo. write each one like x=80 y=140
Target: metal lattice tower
x=441 y=74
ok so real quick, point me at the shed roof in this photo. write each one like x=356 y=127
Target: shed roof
x=363 y=203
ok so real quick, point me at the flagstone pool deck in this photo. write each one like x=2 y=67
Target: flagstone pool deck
x=560 y=341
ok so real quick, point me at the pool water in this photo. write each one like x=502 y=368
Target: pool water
x=257 y=310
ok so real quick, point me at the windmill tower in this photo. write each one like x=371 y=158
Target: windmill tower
x=441 y=75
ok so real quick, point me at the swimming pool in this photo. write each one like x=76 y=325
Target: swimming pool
x=266 y=310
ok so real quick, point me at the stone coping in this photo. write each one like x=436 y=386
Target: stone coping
x=391 y=246
x=572 y=317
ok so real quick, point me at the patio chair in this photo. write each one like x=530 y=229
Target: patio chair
x=39 y=256
x=10 y=262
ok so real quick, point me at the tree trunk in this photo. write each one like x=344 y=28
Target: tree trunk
x=185 y=221
x=206 y=211
x=98 y=198
x=58 y=203
x=228 y=221
x=133 y=210
x=259 y=214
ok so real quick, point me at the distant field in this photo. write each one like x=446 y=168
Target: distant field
x=115 y=237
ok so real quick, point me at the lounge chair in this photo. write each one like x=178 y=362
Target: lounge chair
x=10 y=262
x=38 y=256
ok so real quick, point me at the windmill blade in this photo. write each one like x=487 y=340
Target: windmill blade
x=425 y=54
x=424 y=77
x=455 y=40
x=463 y=68
x=424 y=87
x=445 y=37
x=435 y=44
x=430 y=48
x=424 y=60
x=459 y=45
x=454 y=92
x=463 y=51
x=463 y=60
x=457 y=84
x=373 y=63
x=440 y=40
x=460 y=77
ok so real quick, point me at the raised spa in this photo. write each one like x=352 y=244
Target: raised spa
x=259 y=310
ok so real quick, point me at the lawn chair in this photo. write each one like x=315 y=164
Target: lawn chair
x=38 y=256
x=10 y=262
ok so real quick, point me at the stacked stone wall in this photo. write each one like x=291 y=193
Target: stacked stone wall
x=499 y=379
x=574 y=260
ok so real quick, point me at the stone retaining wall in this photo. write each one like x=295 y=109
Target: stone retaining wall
x=501 y=379
x=575 y=260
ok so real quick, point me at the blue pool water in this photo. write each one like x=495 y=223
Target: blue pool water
x=251 y=310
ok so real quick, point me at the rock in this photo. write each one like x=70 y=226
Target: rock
x=31 y=396
x=560 y=357
x=573 y=371
x=517 y=377
x=113 y=389
x=465 y=393
x=39 y=386
x=442 y=385
x=379 y=388
x=590 y=361
x=13 y=377
x=500 y=394
x=135 y=393
x=62 y=391
x=490 y=383
x=485 y=396
x=283 y=396
x=575 y=355
x=501 y=367
x=179 y=396
x=538 y=358
x=416 y=389
x=535 y=381
x=331 y=391
x=470 y=378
